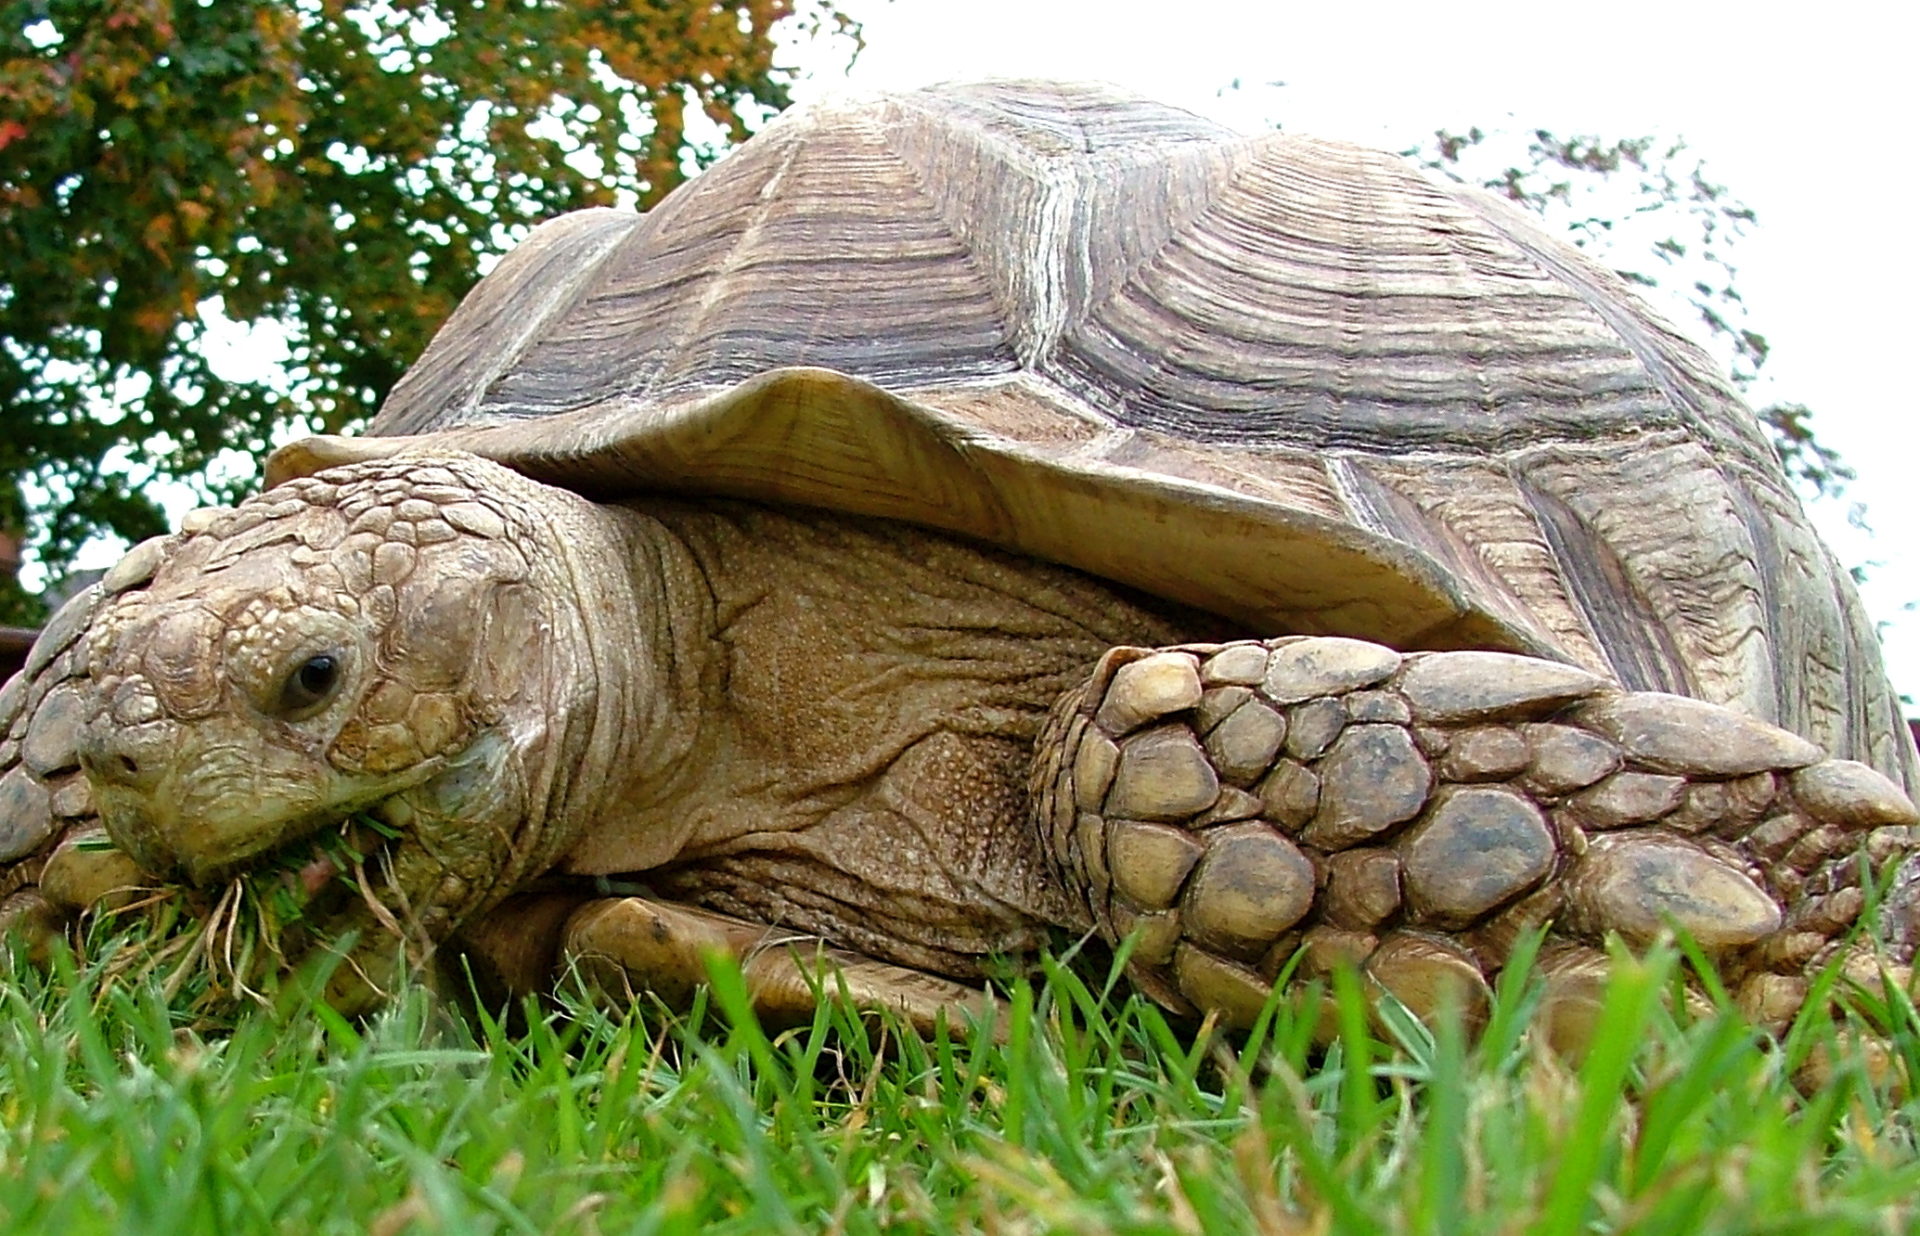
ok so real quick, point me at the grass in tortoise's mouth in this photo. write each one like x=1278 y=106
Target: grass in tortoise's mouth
x=218 y=947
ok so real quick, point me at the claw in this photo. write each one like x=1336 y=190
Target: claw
x=29 y=918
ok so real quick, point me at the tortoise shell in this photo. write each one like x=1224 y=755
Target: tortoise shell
x=1291 y=381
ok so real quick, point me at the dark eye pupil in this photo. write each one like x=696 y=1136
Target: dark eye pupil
x=317 y=675
x=310 y=685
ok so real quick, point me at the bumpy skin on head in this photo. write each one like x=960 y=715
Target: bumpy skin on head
x=400 y=638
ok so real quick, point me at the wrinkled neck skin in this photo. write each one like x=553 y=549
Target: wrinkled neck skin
x=625 y=669
x=826 y=724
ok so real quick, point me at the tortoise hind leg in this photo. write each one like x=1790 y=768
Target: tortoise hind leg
x=625 y=946
x=1231 y=806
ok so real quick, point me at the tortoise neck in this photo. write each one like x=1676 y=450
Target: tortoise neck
x=646 y=674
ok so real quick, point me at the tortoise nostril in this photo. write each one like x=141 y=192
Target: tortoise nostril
x=114 y=763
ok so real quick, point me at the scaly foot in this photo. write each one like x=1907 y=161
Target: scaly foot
x=1232 y=805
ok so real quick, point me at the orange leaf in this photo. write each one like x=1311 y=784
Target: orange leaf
x=158 y=236
x=155 y=319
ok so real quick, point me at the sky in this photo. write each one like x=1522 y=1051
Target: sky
x=1807 y=117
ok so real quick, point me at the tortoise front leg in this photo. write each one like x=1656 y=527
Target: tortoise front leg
x=628 y=946
x=1231 y=806
x=46 y=806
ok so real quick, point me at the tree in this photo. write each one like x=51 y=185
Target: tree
x=345 y=169
x=1648 y=209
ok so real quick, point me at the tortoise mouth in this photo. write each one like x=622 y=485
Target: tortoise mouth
x=336 y=887
x=378 y=879
x=205 y=840
x=325 y=869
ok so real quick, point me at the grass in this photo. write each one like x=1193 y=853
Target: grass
x=211 y=950
x=1088 y=1112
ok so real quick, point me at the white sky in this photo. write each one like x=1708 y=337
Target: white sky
x=1805 y=111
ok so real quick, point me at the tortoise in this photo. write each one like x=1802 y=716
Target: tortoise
x=967 y=516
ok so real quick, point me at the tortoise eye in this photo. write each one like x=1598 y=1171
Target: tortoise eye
x=310 y=685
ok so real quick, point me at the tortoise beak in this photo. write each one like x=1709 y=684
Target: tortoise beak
x=160 y=811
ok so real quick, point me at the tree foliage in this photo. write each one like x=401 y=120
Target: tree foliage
x=344 y=169
x=1647 y=208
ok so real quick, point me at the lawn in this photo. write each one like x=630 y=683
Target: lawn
x=1082 y=1111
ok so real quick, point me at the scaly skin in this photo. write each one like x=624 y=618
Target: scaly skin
x=1235 y=807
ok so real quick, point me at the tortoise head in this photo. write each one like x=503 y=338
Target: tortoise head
x=361 y=654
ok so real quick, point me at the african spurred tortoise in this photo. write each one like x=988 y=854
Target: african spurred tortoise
x=977 y=513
